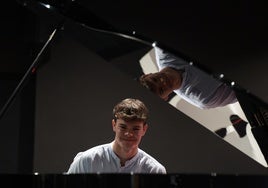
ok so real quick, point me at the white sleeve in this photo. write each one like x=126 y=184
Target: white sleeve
x=165 y=59
x=80 y=164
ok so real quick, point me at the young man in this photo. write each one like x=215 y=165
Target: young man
x=123 y=154
x=190 y=83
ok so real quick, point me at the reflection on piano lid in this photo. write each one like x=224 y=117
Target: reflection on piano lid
x=133 y=180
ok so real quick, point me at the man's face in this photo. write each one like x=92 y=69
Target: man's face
x=128 y=134
x=160 y=84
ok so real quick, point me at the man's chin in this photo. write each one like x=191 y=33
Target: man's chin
x=129 y=141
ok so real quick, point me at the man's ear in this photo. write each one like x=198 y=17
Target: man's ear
x=145 y=127
x=113 y=124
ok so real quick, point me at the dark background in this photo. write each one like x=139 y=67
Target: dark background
x=227 y=38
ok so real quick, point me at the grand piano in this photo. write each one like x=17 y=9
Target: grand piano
x=72 y=60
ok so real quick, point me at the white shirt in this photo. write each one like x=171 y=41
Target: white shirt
x=102 y=159
x=198 y=88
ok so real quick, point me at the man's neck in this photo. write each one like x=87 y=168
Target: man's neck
x=124 y=154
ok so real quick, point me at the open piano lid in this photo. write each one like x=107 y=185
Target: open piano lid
x=254 y=106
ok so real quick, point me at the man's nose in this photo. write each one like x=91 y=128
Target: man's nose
x=128 y=133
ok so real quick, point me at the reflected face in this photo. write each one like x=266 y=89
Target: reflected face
x=128 y=134
x=158 y=83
